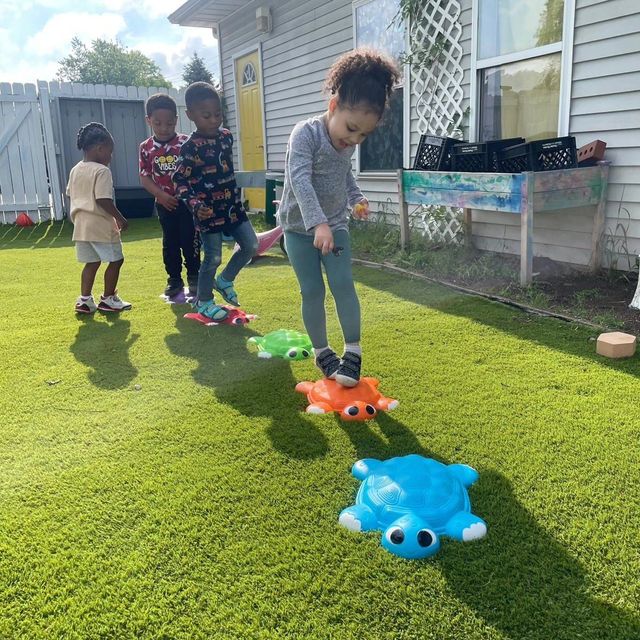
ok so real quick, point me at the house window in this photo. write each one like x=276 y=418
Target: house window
x=382 y=150
x=519 y=60
x=249 y=75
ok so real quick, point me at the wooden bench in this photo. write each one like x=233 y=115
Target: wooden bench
x=520 y=193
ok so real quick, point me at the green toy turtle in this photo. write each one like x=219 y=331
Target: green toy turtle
x=283 y=343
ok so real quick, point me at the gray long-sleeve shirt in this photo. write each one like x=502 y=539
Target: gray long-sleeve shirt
x=318 y=182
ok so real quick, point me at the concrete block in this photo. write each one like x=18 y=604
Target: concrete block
x=616 y=345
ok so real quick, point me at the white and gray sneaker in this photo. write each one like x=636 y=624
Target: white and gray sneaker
x=113 y=303
x=86 y=305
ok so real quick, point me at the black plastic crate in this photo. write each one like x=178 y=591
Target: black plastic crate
x=539 y=155
x=470 y=157
x=493 y=149
x=434 y=153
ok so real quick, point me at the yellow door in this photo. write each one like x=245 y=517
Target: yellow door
x=251 y=132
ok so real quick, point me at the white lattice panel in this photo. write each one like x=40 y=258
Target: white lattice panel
x=438 y=87
x=441 y=224
x=439 y=94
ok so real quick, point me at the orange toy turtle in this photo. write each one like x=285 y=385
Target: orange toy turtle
x=361 y=402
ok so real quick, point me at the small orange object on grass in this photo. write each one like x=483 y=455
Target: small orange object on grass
x=616 y=345
x=361 y=402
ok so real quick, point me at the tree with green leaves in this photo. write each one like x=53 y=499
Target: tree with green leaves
x=196 y=71
x=551 y=18
x=109 y=63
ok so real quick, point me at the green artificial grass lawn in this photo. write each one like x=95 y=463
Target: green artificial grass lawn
x=204 y=503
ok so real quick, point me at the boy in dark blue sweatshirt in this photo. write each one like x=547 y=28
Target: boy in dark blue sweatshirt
x=205 y=182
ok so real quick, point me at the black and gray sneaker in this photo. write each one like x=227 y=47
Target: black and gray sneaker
x=174 y=287
x=348 y=373
x=328 y=362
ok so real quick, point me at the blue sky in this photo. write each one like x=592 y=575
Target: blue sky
x=37 y=33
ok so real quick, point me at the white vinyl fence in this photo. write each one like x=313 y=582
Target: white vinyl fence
x=24 y=184
x=38 y=129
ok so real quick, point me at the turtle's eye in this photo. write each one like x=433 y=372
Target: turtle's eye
x=396 y=536
x=292 y=353
x=352 y=411
x=371 y=410
x=426 y=538
x=237 y=321
x=305 y=353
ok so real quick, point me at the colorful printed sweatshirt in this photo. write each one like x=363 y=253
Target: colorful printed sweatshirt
x=204 y=178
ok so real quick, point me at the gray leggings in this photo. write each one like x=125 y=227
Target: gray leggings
x=307 y=263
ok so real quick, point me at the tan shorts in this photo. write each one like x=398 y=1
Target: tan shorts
x=98 y=251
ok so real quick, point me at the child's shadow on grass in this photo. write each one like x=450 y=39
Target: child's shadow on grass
x=252 y=386
x=397 y=440
x=521 y=580
x=104 y=347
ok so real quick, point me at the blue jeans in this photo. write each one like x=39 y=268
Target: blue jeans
x=245 y=236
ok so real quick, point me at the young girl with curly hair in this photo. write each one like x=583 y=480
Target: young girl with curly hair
x=319 y=190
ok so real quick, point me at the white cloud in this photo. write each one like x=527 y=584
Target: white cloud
x=12 y=10
x=17 y=67
x=172 y=58
x=29 y=72
x=10 y=47
x=55 y=36
x=150 y=8
x=34 y=40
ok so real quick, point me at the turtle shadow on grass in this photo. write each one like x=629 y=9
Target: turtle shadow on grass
x=397 y=440
x=252 y=386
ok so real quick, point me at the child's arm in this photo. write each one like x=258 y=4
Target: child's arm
x=103 y=193
x=300 y=166
x=357 y=201
x=166 y=200
x=108 y=205
x=146 y=180
x=185 y=168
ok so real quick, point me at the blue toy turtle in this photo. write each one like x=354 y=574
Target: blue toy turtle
x=414 y=501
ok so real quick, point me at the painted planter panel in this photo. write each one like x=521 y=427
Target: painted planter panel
x=489 y=191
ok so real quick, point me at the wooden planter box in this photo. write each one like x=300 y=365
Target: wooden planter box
x=520 y=193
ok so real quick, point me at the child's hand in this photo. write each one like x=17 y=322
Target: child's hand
x=168 y=202
x=323 y=238
x=361 y=210
x=204 y=212
x=122 y=222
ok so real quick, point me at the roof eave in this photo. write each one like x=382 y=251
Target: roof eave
x=184 y=15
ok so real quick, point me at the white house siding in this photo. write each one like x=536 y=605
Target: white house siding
x=309 y=34
x=605 y=105
x=606 y=102
x=307 y=37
